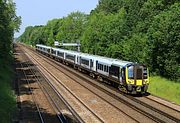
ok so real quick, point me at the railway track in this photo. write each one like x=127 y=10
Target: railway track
x=149 y=101
x=40 y=115
x=53 y=99
x=141 y=107
x=98 y=119
x=31 y=110
x=50 y=98
x=164 y=102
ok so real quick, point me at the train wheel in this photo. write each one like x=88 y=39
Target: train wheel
x=123 y=89
x=92 y=75
x=79 y=69
x=100 y=78
x=75 y=67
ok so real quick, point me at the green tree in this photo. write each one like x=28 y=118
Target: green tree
x=9 y=23
x=104 y=31
x=136 y=48
x=164 y=38
x=109 y=6
x=72 y=27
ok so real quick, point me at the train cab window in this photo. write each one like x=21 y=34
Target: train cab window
x=131 y=72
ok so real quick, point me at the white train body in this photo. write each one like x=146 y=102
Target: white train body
x=114 y=70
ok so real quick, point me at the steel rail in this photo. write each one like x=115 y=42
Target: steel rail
x=60 y=116
x=61 y=97
x=33 y=96
x=69 y=91
x=151 y=116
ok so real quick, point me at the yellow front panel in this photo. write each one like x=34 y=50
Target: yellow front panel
x=146 y=81
x=126 y=74
x=130 y=81
x=138 y=82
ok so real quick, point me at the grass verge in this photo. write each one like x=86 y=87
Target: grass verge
x=164 y=88
x=7 y=98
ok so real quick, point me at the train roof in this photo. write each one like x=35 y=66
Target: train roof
x=106 y=60
x=66 y=51
x=43 y=46
x=101 y=59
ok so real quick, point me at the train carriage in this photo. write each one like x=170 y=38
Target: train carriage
x=131 y=77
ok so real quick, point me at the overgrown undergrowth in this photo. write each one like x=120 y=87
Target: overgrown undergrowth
x=7 y=98
x=164 y=88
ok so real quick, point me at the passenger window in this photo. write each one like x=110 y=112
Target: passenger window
x=105 y=68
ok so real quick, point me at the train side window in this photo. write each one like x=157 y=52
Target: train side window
x=102 y=67
x=106 y=68
x=91 y=63
x=85 y=62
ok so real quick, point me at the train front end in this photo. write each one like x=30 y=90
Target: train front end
x=137 y=78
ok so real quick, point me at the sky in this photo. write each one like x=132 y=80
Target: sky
x=38 y=12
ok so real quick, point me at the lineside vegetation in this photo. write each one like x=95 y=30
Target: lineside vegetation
x=9 y=23
x=7 y=98
x=165 y=88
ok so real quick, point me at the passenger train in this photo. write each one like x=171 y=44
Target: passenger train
x=130 y=77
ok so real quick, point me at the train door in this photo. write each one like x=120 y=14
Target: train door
x=139 y=75
x=122 y=76
x=96 y=65
x=91 y=64
x=50 y=50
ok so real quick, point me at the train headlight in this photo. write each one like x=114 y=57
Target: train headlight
x=146 y=82
x=130 y=82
